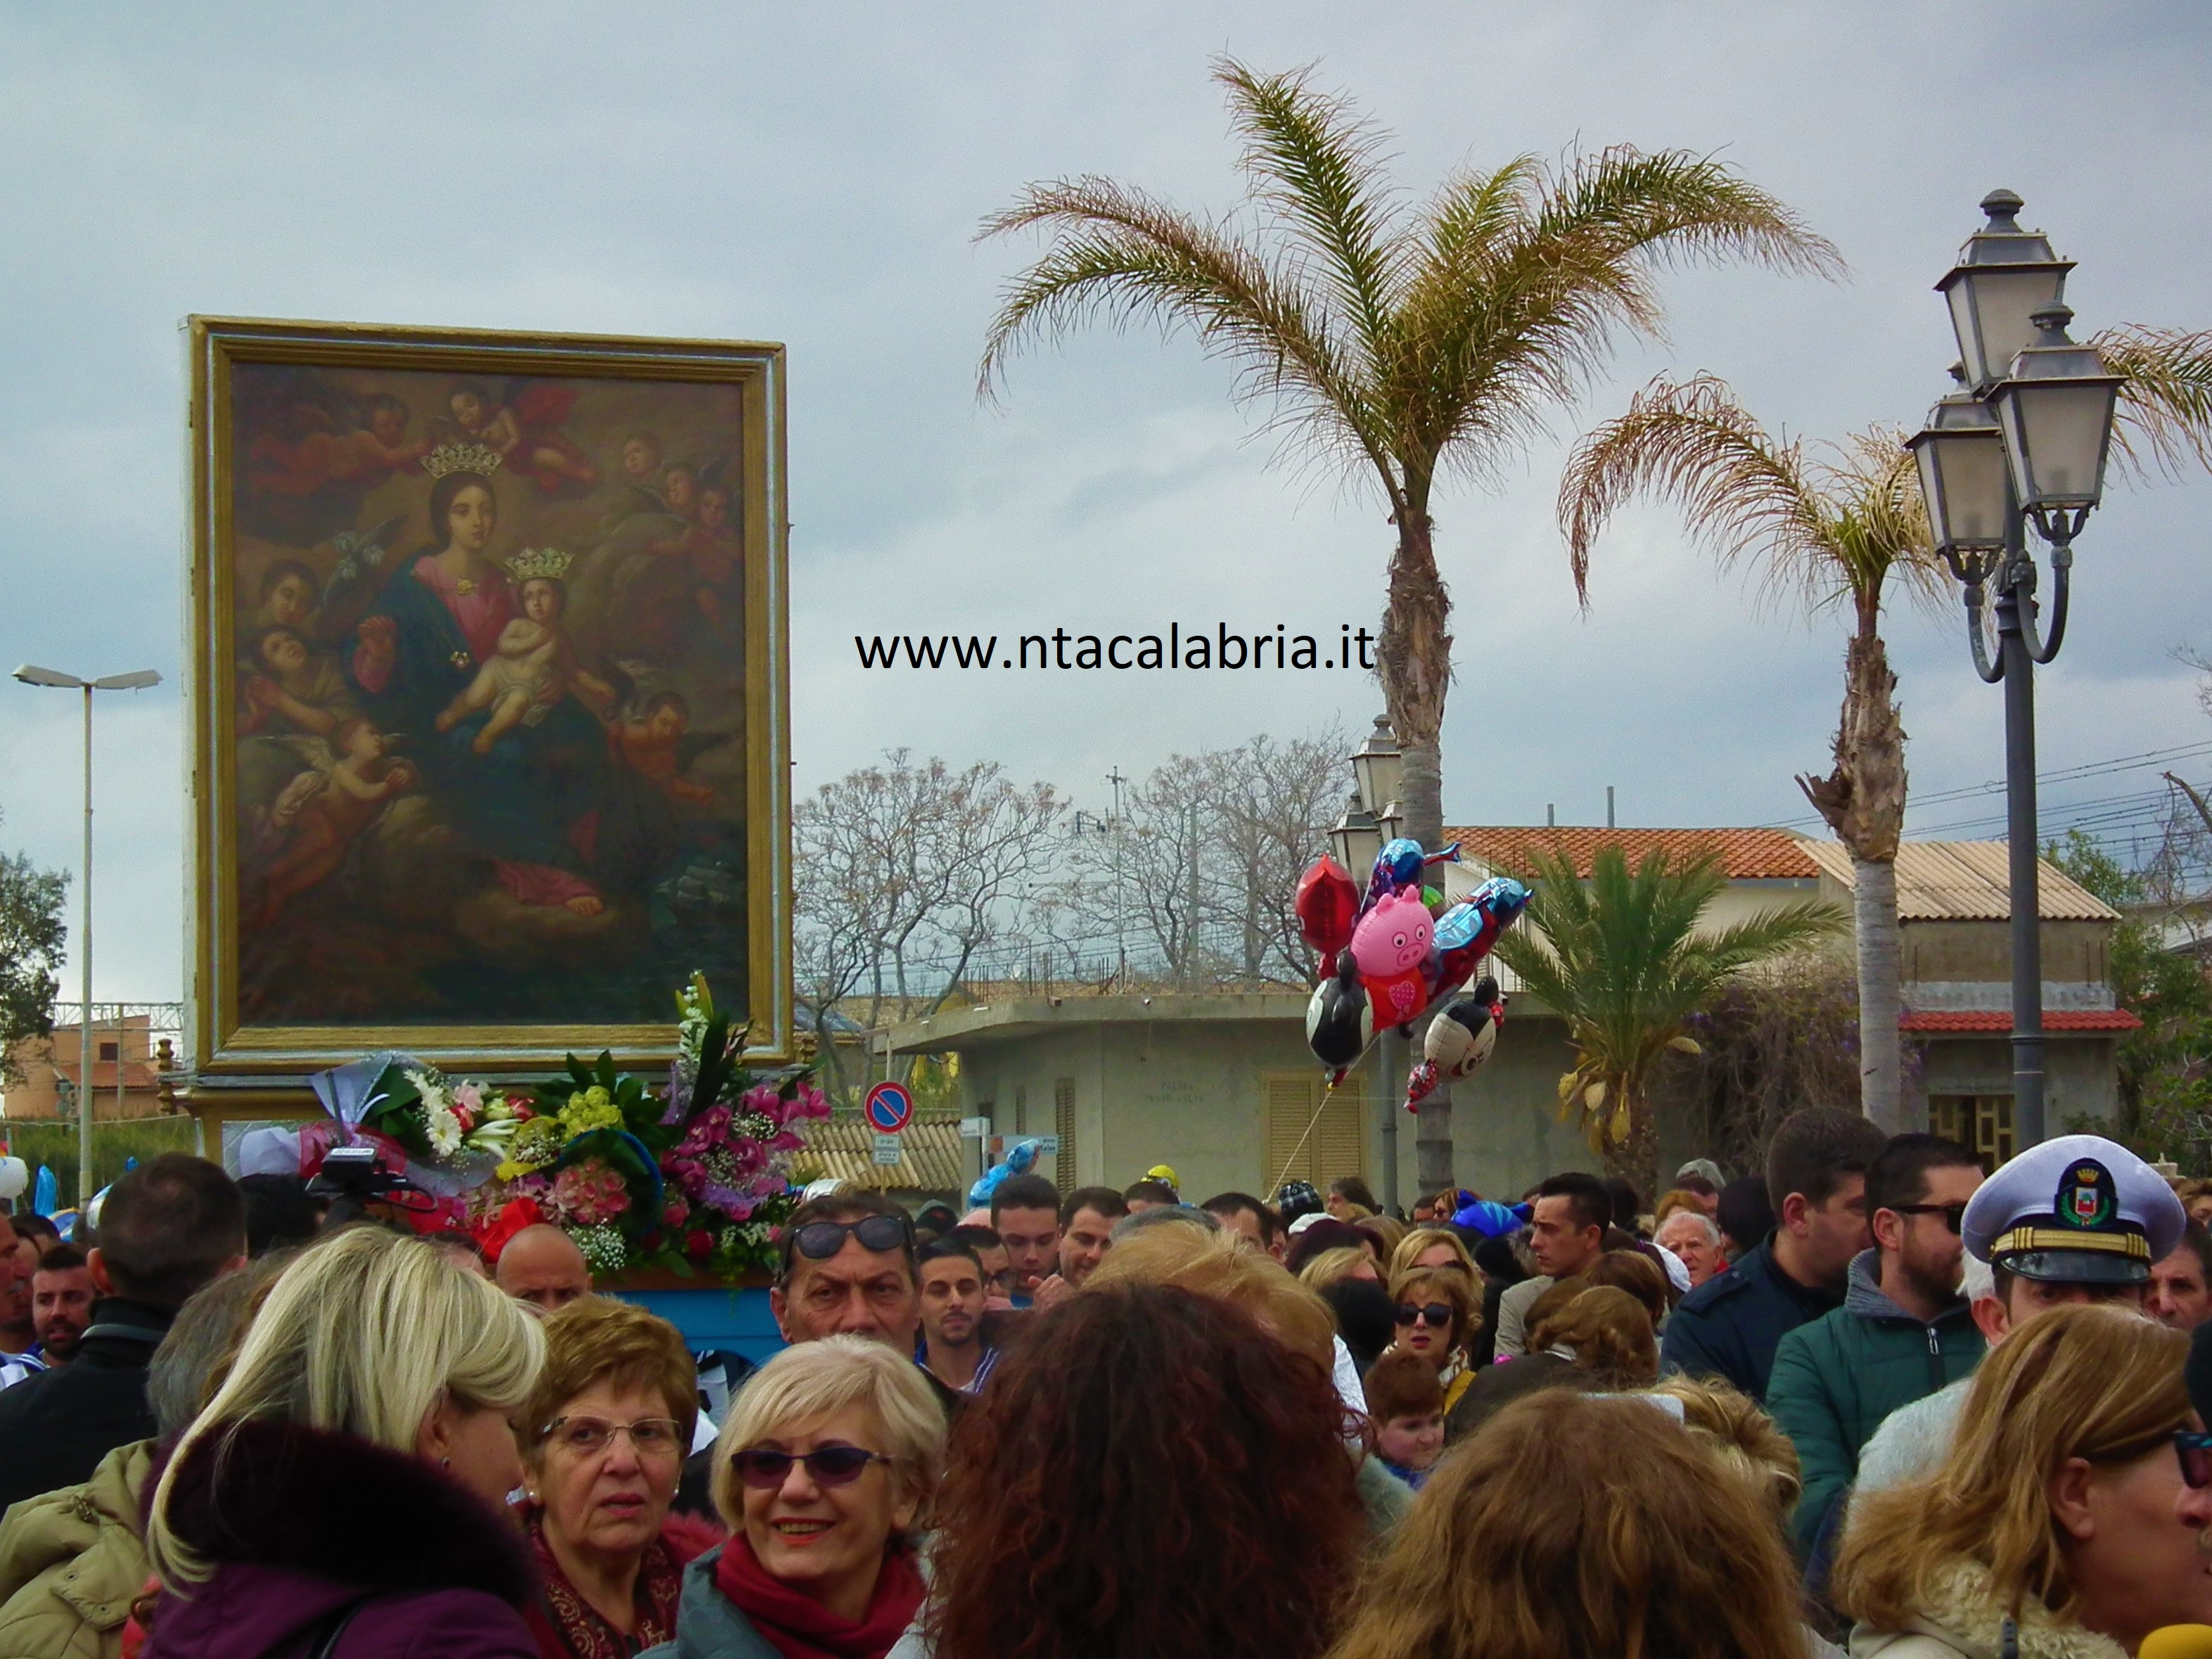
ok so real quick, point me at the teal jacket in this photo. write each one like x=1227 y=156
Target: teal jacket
x=1836 y=1378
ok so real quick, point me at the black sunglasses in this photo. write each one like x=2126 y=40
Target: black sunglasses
x=1952 y=1214
x=764 y=1470
x=818 y=1241
x=2194 y=1451
x=1435 y=1314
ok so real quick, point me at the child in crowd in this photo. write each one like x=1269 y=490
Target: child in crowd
x=1407 y=1404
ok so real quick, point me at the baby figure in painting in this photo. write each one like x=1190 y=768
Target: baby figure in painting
x=647 y=746
x=535 y=665
x=329 y=809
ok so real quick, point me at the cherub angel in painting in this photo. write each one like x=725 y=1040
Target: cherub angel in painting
x=325 y=809
x=331 y=451
x=293 y=687
x=650 y=744
x=523 y=428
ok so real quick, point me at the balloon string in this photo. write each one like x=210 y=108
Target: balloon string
x=1335 y=1078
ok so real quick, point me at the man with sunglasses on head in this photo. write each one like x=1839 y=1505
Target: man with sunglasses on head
x=1904 y=1330
x=849 y=1270
x=2080 y=1219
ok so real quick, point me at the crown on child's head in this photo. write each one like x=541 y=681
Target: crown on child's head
x=461 y=458
x=546 y=563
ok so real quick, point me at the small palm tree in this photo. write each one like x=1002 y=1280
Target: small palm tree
x=1622 y=957
x=1401 y=343
x=1835 y=531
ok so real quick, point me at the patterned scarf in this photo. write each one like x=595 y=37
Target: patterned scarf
x=563 y=1613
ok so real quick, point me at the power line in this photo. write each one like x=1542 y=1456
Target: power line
x=2158 y=757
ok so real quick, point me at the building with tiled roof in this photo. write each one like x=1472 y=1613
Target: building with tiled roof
x=1745 y=854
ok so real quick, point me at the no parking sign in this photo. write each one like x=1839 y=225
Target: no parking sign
x=890 y=1108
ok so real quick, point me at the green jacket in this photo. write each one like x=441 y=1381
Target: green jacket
x=1836 y=1378
x=71 y=1561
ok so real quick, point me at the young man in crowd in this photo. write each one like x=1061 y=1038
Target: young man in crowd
x=1249 y=1219
x=1693 y=1238
x=542 y=1265
x=2181 y=1285
x=166 y=1228
x=1567 y=1234
x=1730 y=1326
x=1026 y=1214
x=990 y=1253
x=952 y=1349
x=1147 y=1195
x=19 y=1337
x=1086 y=1233
x=1406 y=1403
x=61 y=1303
x=2080 y=1219
x=1904 y=1330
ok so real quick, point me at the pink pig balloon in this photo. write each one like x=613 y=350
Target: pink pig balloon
x=1393 y=938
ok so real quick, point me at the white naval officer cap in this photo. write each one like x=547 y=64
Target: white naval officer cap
x=2079 y=1209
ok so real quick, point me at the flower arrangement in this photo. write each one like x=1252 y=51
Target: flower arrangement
x=695 y=1176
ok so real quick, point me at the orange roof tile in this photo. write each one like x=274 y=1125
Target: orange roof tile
x=1997 y=1020
x=1745 y=854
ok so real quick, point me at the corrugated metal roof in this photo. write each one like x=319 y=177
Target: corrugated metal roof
x=1997 y=1021
x=1745 y=854
x=1966 y=881
x=932 y=1158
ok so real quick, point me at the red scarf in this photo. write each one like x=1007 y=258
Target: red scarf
x=800 y=1627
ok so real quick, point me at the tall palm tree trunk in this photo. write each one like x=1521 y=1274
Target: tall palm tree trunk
x=1413 y=660
x=1863 y=801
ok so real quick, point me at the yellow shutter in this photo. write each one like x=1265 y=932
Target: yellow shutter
x=1337 y=1144
x=1343 y=1145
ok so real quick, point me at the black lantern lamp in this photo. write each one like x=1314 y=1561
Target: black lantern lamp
x=2056 y=410
x=2004 y=276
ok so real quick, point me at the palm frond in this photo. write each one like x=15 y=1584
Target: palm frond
x=1690 y=442
x=1118 y=254
x=2165 y=413
x=1313 y=159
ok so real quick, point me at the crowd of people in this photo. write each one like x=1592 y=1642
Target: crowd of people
x=1869 y=1395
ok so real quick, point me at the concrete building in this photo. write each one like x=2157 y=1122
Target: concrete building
x=1222 y=1087
x=126 y=1071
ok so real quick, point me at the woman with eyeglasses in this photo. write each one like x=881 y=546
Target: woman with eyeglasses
x=830 y=1453
x=1434 y=1308
x=2068 y=1520
x=604 y=1437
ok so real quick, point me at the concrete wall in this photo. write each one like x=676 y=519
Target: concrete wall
x=2081 y=1075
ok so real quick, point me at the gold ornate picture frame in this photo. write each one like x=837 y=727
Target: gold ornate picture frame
x=490 y=697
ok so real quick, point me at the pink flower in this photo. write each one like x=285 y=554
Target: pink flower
x=468 y=1098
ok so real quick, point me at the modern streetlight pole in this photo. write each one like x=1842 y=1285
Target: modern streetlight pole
x=137 y=681
x=2023 y=440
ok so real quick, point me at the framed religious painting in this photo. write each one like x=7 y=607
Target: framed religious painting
x=489 y=696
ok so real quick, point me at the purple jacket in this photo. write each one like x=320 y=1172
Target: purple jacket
x=301 y=1522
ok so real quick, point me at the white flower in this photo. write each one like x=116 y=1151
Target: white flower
x=432 y=1088
x=445 y=1131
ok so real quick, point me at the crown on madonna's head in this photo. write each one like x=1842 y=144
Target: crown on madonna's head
x=548 y=563
x=461 y=458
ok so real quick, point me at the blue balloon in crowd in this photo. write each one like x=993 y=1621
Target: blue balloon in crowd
x=1020 y=1160
x=1490 y=1219
x=47 y=1191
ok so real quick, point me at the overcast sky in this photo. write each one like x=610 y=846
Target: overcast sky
x=814 y=175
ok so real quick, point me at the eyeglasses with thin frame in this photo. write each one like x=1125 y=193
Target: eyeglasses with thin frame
x=2193 y=1448
x=1953 y=1214
x=1438 y=1316
x=764 y=1469
x=588 y=1436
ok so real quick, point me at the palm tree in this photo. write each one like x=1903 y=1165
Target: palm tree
x=1400 y=342
x=1621 y=957
x=1833 y=531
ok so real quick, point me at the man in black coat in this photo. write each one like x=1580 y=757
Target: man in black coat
x=166 y=1229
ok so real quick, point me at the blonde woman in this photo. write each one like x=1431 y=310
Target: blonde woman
x=1432 y=1247
x=1580 y=1524
x=1335 y=1267
x=344 y=1492
x=829 y=1457
x=2063 y=1516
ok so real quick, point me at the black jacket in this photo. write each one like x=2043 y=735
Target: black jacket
x=1731 y=1325
x=55 y=1426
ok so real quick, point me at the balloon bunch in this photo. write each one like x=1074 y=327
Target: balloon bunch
x=1392 y=952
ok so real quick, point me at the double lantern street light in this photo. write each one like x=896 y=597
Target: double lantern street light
x=1373 y=815
x=2023 y=440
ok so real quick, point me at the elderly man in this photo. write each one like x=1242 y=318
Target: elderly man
x=1693 y=1238
x=2181 y=1284
x=849 y=1270
x=542 y=1265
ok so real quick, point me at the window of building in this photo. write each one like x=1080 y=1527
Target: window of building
x=1310 y=1139
x=107 y=1051
x=1980 y=1123
x=1063 y=1125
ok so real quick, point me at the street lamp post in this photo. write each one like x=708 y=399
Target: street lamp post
x=2023 y=441
x=137 y=681
x=1372 y=816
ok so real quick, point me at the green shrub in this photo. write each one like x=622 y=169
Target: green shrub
x=53 y=1145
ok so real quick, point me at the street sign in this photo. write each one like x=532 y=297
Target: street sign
x=890 y=1108
x=974 y=1128
x=1047 y=1145
x=888 y=1149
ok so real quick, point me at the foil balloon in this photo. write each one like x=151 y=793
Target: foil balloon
x=1390 y=947
x=1339 y=1022
x=1460 y=1043
x=1397 y=866
x=1328 y=905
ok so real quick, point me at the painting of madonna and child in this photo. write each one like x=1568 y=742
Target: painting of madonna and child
x=490 y=714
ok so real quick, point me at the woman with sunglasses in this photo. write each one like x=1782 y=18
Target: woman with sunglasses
x=604 y=1437
x=1434 y=1312
x=2069 y=1517
x=829 y=1454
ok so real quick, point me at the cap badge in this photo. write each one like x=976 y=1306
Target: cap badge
x=2086 y=1197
